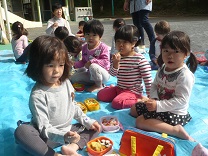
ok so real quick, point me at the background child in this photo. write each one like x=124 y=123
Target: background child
x=19 y=42
x=161 y=29
x=80 y=33
x=131 y=69
x=57 y=20
x=61 y=32
x=74 y=47
x=119 y=22
x=52 y=104
x=95 y=58
x=167 y=109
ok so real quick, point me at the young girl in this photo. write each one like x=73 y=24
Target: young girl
x=167 y=109
x=131 y=69
x=57 y=20
x=19 y=42
x=95 y=58
x=52 y=104
x=119 y=22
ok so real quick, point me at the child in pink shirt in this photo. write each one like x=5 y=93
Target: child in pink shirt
x=19 y=42
x=95 y=63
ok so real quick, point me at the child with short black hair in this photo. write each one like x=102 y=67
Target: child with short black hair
x=61 y=32
x=52 y=104
x=166 y=111
x=80 y=33
x=161 y=28
x=119 y=22
x=130 y=68
x=95 y=58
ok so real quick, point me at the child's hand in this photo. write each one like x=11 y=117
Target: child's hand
x=96 y=126
x=143 y=99
x=151 y=105
x=55 y=24
x=116 y=59
x=71 y=137
x=148 y=1
x=87 y=65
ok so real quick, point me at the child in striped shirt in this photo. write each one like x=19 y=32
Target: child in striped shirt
x=130 y=68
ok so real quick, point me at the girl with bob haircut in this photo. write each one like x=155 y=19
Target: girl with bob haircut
x=130 y=68
x=52 y=104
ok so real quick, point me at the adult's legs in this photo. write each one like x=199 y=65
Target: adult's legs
x=141 y=20
x=29 y=139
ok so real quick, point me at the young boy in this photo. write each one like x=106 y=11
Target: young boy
x=95 y=58
x=80 y=33
x=161 y=29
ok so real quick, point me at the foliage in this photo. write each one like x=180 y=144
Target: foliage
x=160 y=7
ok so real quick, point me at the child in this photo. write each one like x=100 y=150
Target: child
x=57 y=20
x=52 y=104
x=167 y=109
x=119 y=22
x=19 y=42
x=95 y=58
x=80 y=33
x=131 y=69
x=161 y=29
x=74 y=47
x=61 y=32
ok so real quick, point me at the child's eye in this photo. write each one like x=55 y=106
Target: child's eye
x=61 y=65
x=176 y=51
x=49 y=65
x=165 y=50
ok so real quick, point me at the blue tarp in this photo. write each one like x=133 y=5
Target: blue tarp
x=14 y=94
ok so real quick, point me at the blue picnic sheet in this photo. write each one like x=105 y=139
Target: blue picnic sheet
x=14 y=94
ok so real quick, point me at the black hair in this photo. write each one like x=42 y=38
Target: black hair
x=56 y=6
x=45 y=49
x=82 y=23
x=73 y=44
x=128 y=33
x=118 y=23
x=94 y=26
x=61 y=32
x=179 y=40
x=18 y=30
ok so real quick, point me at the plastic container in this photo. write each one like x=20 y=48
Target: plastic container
x=92 y=104
x=91 y=150
x=110 y=124
x=82 y=106
x=79 y=87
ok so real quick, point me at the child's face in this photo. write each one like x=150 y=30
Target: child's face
x=173 y=59
x=58 y=13
x=52 y=72
x=160 y=36
x=92 y=39
x=81 y=28
x=124 y=47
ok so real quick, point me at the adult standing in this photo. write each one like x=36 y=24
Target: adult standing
x=139 y=10
x=57 y=20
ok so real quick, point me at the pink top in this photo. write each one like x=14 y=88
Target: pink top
x=99 y=55
x=19 y=45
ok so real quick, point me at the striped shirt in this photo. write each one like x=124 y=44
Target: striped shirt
x=132 y=71
x=137 y=5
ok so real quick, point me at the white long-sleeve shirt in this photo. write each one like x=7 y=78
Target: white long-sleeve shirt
x=53 y=110
x=61 y=22
x=173 y=90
